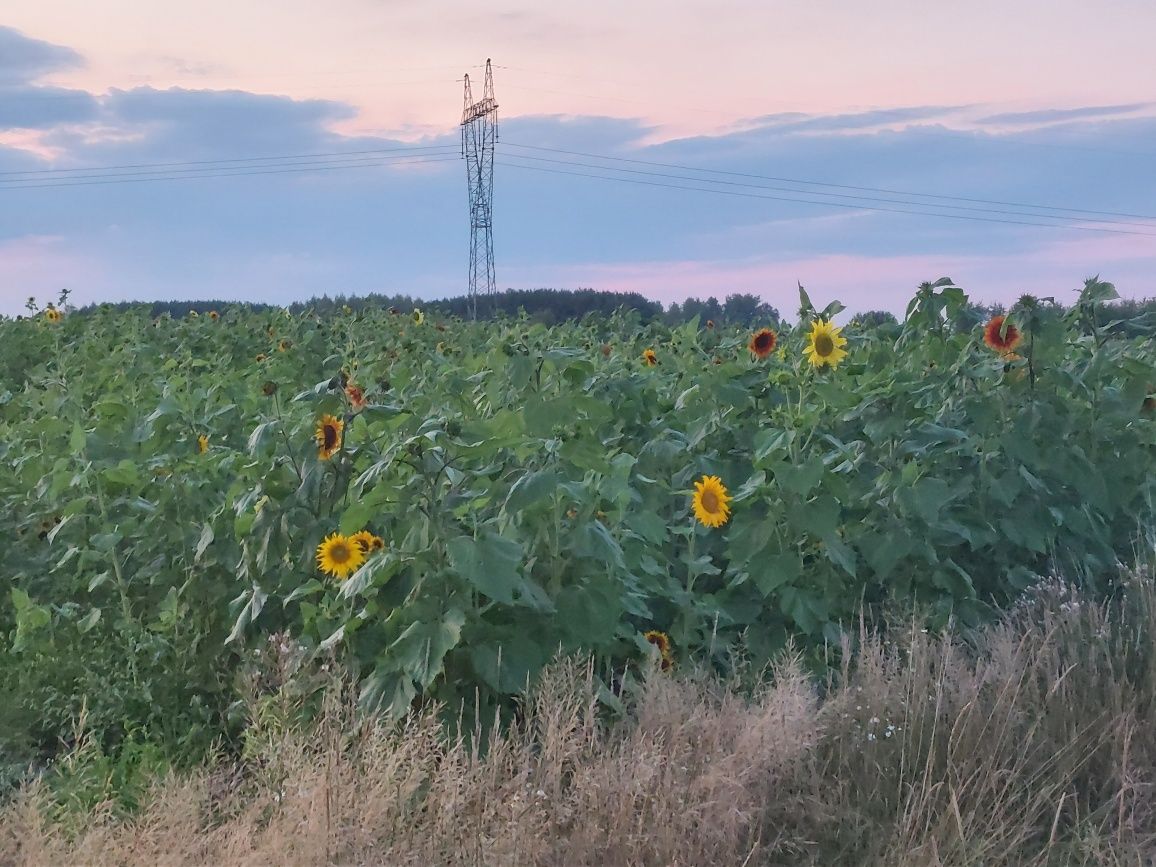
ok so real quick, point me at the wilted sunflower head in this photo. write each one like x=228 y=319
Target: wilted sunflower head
x=649 y=358
x=269 y=388
x=711 y=502
x=53 y=315
x=214 y=315
x=339 y=556
x=202 y=443
x=825 y=344
x=329 y=435
x=762 y=343
x=1001 y=335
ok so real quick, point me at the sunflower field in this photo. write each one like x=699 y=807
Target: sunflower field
x=443 y=506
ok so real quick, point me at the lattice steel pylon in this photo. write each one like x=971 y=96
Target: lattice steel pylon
x=479 y=135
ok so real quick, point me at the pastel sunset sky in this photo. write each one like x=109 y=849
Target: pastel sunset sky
x=753 y=145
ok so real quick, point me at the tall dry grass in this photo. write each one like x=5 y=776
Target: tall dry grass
x=1033 y=743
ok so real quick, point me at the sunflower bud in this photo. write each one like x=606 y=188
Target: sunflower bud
x=269 y=388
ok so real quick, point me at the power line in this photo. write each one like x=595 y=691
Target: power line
x=827 y=204
x=834 y=195
x=230 y=160
x=242 y=171
x=831 y=185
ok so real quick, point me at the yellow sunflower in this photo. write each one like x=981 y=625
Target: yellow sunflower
x=284 y=345
x=329 y=435
x=214 y=315
x=53 y=315
x=367 y=542
x=202 y=443
x=418 y=317
x=261 y=356
x=649 y=358
x=662 y=641
x=339 y=556
x=710 y=502
x=825 y=344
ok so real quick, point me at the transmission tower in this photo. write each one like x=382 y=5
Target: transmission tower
x=479 y=135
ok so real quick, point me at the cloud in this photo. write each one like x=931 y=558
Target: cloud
x=1062 y=115
x=792 y=122
x=24 y=59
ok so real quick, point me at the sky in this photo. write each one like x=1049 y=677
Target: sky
x=673 y=149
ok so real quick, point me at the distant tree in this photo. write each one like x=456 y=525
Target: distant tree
x=875 y=318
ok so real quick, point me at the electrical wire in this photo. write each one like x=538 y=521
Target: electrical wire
x=833 y=195
x=826 y=204
x=242 y=171
x=231 y=160
x=830 y=185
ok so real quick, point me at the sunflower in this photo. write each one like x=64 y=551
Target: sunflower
x=418 y=317
x=825 y=344
x=53 y=315
x=214 y=315
x=710 y=502
x=367 y=542
x=202 y=443
x=269 y=388
x=261 y=356
x=1001 y=335
x=763 y=342
x=649 y=358
x=329 y=431
x=356 y=397
x=284 y=345
x=193 y=314
x=710 y=324
x=339 y=556
x=662 y=641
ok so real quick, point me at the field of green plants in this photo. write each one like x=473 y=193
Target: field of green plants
x=442 y=505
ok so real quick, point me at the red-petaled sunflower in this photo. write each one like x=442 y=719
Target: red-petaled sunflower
x=762 y=343
x=356 y=397
x=339 y=556
x=1001 y=335
x=649 y=358
x=329 y=436
x=662 y=641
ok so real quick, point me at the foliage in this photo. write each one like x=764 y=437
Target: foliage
x=533 y=487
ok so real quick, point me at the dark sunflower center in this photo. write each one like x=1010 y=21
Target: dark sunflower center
x=340 y=553
x=824 y=345
x=330 y=435
x=764 y=342
x=710 y=501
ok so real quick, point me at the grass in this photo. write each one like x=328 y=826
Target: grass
x=1029 y=743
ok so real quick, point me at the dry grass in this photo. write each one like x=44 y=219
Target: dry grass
x=1033 y=745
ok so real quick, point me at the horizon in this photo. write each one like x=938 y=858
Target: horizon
x=1035 y=158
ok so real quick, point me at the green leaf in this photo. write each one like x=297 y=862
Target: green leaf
x=531 y=488
x=204 y=542
x=771 y=573
x=490 y=564
x=800 y=478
